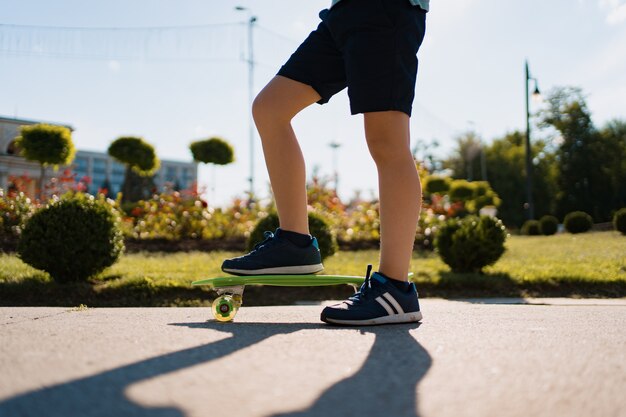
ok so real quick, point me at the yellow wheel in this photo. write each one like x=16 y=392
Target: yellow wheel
x=224 y=308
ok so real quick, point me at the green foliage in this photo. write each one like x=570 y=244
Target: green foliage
x=548 y=225
x=531 y=228
x=323 y=198
x=359 y=223
x=73 y=238
x=137 y=187
x=483 y=196
x=578 y=222
x=471 y=243
x=619 y=220
x=318 y=226
x=14 y=211
x=141 y=162
x=175 y=216
x=562 y=266
x=212 y=151
x=46 y=144
x=613 y=141
x=465 y=160
x=475 y=195
x=588 y=161
x=436 y=184
x=135 y=153
x=505 y=158
x=461 y=190
x=427 y=228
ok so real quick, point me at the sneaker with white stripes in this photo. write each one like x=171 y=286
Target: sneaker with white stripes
x=378 y=301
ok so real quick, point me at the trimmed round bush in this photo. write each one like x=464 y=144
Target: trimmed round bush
x=436 y=184
x=461 y=190
x=212 y=151
x=548 y=225
x=72 y=239
x=136 y=154
x=471 y=243
x=577 y=222
x=318 y=227
x=619 y=220
x=46 y=144
x=531 y=228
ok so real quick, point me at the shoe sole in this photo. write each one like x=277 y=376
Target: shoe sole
x=392 y=319
x=286 y=270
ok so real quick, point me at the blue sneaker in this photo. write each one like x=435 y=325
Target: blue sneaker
x=277 y=255
x=378 y=301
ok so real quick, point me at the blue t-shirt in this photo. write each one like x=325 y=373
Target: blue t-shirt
x=421 y=3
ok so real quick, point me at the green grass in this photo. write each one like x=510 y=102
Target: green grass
x=586 y=265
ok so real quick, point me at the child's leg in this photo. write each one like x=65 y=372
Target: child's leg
x=282 y=253
x=400 y=192
x=273 y=110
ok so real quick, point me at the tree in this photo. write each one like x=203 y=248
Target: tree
x=613 y=140
x=583 y=181
x=46 y=144
x=141 y=162
x=215 y=151
x=465 y=163
x=507 y=176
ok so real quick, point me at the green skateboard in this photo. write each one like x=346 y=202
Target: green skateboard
x=230 y=289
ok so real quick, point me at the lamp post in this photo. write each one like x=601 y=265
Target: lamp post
x=530 y=205
x=334 y=145
x=251 y=20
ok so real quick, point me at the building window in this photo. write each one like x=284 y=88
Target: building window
x=80 y=167
x=170 y=174
x=99 y=166
x=118 y=169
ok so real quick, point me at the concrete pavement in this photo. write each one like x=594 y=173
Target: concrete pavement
x=543 y=357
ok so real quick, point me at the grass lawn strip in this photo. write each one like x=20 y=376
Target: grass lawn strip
x=585 y=265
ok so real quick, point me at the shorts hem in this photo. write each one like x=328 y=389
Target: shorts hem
x=372 y=109
x=292 y=76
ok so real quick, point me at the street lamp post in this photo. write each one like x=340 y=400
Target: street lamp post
x=334 y=145
x=251 y=20
x=530 y=205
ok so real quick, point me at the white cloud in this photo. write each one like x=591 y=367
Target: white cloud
x=615 y=9
x=617 y=14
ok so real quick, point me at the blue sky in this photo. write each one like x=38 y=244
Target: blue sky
x=174 y=86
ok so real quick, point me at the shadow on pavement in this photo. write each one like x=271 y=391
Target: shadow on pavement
x=385 y=385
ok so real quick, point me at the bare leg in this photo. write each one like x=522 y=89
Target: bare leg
x=400 y=192
x=273 y=109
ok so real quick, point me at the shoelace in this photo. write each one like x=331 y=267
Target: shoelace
x=269 y=239
x=365 y=289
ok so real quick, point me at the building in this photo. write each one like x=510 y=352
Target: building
x=99 y=167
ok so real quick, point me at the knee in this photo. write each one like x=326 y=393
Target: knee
x=260 y=110
x=385 y=151
x=266 y=110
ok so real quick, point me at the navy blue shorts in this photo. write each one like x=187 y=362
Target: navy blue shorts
x=369 y=46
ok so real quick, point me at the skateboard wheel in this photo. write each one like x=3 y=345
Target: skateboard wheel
x=224 y=308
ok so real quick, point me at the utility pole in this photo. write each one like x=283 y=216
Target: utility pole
x=334 y=145
x=251 y=20
x=530 y=205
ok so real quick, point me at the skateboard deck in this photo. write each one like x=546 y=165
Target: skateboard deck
x=230 y=288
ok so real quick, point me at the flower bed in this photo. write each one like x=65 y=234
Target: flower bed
x=182 y=221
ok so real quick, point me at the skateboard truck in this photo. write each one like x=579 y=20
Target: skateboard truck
x=226 y=305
